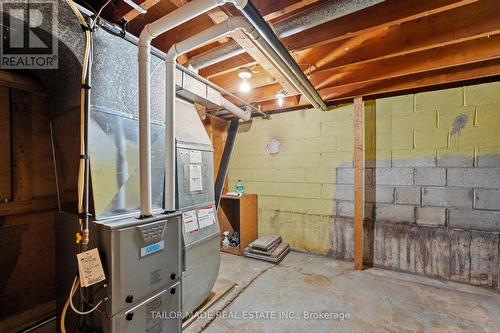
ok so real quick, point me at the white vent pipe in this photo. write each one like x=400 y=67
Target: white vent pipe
x=152 y=30
x=206 y=36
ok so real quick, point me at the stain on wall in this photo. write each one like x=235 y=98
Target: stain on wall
x=432 y=181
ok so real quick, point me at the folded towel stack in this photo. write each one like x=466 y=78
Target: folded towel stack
x=268 y=248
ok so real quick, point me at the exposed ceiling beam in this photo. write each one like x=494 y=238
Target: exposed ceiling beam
x=417 y=81
x=472 y=51
x=387 y=13
x=242 y=60
x=132 y=14
x=347 y=77
x=217 y=15
x=469 y=22
x=384 y=15
x=179 y=3
x=455 y=26
x=404 y=84
x=232 y=81
x=291 y=8
x=447 y=56
x=272 y=9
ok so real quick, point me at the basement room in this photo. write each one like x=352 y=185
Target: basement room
x=253 y=166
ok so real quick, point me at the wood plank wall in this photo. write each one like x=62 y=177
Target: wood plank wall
x=27 y=206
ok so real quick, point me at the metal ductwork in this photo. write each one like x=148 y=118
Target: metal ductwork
x=280 y=55
x=152 y=30
x=307 y=19
x=267 y=41
x=259 y=32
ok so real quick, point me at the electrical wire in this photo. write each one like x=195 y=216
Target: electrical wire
x=74 y=288
x=89 y=7
x=86 y=57
x=69 y=303
x=99 y=13
x=83 y=166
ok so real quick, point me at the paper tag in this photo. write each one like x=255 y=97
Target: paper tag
x=190 y=221
x=195 y=183
x=90 y=268
x=194 y=156
x=206 y=217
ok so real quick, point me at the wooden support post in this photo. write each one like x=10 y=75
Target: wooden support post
x=22 y=147
x=5 y=136
x=359 y=204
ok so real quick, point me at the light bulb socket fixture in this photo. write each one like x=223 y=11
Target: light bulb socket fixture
x=245 y=73
x=281 y=94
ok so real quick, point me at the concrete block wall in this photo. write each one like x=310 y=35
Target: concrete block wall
x=296 y=187
x=432 y=180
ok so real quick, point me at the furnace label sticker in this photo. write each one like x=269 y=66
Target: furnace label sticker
x=190 y=221
x=195 y=183
x=90 y=268
x=195 y=156
x=206 y=217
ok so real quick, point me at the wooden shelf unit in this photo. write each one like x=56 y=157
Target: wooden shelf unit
x=239 y=214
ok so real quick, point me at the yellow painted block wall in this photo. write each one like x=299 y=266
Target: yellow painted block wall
x=296 y=187
x=427 y=124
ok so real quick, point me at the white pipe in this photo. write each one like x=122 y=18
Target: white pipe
x=237 y=111
x=206 y=36
x=151 y=31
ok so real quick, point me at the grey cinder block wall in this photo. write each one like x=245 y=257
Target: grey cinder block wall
x=432 y=181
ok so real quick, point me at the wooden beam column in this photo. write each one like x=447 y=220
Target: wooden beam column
x=359 y=204
x=5 y=144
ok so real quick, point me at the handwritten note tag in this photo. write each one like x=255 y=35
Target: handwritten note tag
x=90 y=268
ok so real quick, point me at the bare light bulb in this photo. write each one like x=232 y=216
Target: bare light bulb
x=280 y=98
x=244 y=75
x=244 y=86
x=281 y=101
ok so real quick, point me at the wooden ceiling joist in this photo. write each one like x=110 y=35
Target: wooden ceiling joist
x=470 y=22
x=394 y=86
x=477 y=50
x=385 y=14
x=132 y=14
x=391 y=47
x=414 y=82
x=380 y=16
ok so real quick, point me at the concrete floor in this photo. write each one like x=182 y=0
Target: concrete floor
x=376 y=300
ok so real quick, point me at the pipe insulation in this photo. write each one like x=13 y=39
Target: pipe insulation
x=307 y=19
x=152 y=30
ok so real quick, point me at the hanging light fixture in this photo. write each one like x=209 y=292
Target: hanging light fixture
x=280 y=98
x=244 y=75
